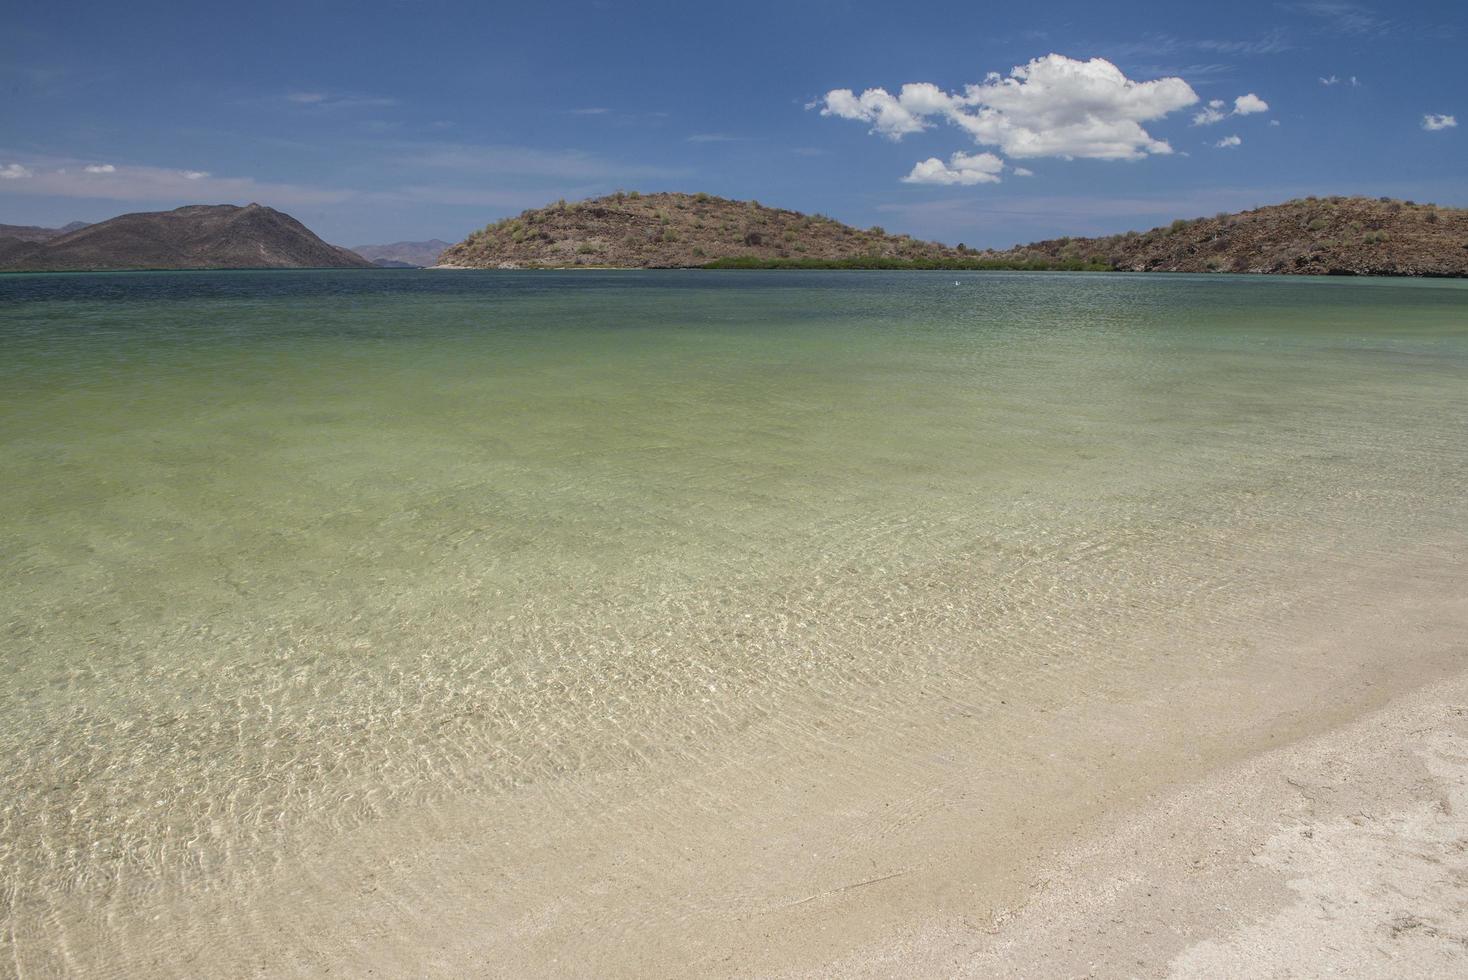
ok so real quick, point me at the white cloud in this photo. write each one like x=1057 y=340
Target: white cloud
x=100 y=168
x=1023 y=172
x=1229 y=142
x=195 y=174
x=1210 y=114
x=961 y=168
x=1052 y=107
x=1329 y=80
x=1274 y=122
x=888 y=116
x=307 y=98
x=1217 y=110
x=13 y=171
x=1432 y=123
x=1247 y=105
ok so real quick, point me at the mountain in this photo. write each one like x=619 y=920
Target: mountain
x=403 y=255
x=34 y=233
x=1306 y=236
x=651 y=231
x=199 y=236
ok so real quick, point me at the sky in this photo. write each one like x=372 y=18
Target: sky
x=985 y=123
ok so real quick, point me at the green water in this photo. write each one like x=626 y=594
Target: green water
x=287 y=555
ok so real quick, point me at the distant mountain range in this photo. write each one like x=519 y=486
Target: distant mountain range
x=1306 y=236
x=199 y=236
x=33 y=233
x=403 y=255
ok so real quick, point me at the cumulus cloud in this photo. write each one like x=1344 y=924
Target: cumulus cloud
x=887 y=113
x=13 y=171
x=100 y=168
x=1217 y=110
x=1051 y=107
x=1247 y=105
x=1229 y=142
x=1432 y=123
x=961 y=168
x=1023 y=172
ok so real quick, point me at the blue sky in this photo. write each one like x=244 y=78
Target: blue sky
x=375 y=121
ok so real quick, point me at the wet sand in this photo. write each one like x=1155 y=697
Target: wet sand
x=1268 y=820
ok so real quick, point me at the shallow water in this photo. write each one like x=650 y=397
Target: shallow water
x=291 y=556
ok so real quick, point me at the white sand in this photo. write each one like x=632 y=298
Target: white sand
x=1342 y=855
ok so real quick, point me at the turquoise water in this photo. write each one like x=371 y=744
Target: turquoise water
x=285 y=556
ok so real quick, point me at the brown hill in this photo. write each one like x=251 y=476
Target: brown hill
x=1307 y=236
x=200 y=236
x=651 y=231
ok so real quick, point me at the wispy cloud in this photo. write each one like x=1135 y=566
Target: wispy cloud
x=1272 y=42
x=1432 y=123
x=64 y=178
x=328 y=100
x=718 y=138
x=169 y=186
x=1158 y=45
x=1343 y=17
x=1229 y=142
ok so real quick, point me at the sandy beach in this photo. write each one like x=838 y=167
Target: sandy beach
x=1345 y=854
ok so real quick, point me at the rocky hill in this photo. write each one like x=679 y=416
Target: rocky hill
x=651 y=231
x=1310 y=236
x=403 y=255
x=200 y=236
x=1307 y=236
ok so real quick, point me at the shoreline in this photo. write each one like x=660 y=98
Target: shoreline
x=911 y=850
x=1338 y=854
